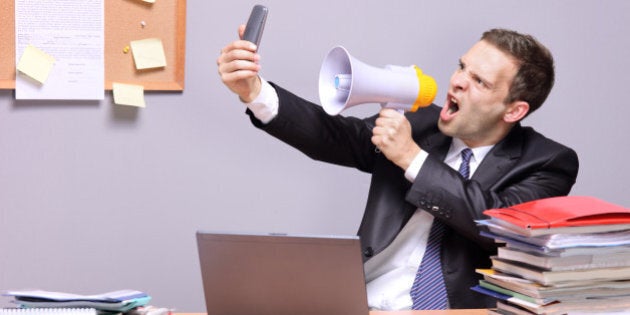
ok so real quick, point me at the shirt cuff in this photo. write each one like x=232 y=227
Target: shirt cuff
x=415 y=166
x=265 y=105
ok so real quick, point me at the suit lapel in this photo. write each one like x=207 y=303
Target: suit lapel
x=500 y=159
x=494 y=166
x=437 y=144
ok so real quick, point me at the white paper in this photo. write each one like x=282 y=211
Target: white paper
x=72 y=32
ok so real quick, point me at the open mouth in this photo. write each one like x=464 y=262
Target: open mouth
x=450 y=109
x=453 y=105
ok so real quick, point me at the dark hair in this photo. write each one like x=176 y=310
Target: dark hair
x=535 y=76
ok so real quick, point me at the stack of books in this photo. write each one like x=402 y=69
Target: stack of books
x=120 y=301
x=561 y=255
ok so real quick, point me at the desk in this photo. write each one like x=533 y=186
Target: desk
x=446 y=312
x=440 y=312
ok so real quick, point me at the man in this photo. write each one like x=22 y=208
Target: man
x=413 y=160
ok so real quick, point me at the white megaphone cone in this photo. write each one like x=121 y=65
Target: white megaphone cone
x=345 y=81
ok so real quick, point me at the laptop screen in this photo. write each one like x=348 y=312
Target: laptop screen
x=253 y=274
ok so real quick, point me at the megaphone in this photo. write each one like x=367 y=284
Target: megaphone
x=345 y=81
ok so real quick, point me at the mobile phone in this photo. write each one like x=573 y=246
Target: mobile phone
x=256 y=24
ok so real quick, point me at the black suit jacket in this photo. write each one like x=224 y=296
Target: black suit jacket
x=523 y=166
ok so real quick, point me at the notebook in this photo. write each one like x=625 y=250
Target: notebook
x=281 y=274
x=48 y=311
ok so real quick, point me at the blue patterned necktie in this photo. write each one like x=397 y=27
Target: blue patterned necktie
x=428 y=291
x=464 y=168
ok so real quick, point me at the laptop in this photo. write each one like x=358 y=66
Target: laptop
x=277 y=274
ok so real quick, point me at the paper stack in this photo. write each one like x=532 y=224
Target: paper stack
x=117 y=301
x=561 y=255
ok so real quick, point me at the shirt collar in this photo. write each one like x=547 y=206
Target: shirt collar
x=457 y=145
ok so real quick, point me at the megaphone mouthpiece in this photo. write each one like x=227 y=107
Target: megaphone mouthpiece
x=345 y=81
x=426 y=91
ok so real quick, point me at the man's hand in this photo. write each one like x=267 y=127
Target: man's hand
x=392 y=135
x=238 y=68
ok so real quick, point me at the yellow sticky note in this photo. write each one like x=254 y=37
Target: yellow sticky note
x=35 y=63
x=148 y=53
x=128 y=94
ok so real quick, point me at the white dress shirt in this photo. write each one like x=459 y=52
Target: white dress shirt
x=390 y=274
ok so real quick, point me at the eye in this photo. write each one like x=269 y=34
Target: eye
x=479 y=81
x=460 y=65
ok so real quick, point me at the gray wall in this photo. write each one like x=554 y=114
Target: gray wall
x=95 y=197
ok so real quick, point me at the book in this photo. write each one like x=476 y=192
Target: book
x=115 y=301
x=613 y=305
x=510 y=309
x=548 y=246
x=504 y=297
x=567 y=251
x=560 y=240
x=47 y=311
x=548 y=277
x=515 y=295
x=559 y=215
x=562 y=291
x=557 y=263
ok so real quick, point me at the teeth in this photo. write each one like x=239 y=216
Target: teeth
x=454 y=106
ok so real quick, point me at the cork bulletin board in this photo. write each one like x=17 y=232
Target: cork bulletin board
x=125 y=21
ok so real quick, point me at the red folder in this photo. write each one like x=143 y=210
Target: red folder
x=557 y=212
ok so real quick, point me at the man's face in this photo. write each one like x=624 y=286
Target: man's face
x=474 y=107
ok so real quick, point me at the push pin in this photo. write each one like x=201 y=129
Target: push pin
x=126 y=49
x=143 y=24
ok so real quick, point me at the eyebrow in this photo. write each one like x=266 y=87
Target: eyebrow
x=475 y=75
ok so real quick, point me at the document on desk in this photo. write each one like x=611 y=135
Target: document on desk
x=71 y=34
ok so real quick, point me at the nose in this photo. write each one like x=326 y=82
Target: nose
x=458 y=80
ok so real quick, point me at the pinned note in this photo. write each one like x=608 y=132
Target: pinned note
x=148 y=53
x=128 y=94
x=35 y=63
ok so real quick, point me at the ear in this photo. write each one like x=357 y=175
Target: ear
x=516 y=111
